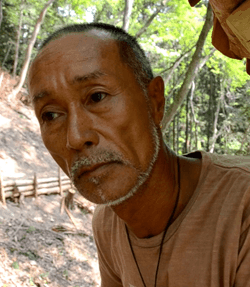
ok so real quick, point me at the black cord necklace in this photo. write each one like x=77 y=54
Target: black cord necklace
x=164 y=233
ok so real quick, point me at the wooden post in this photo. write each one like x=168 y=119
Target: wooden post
x=2 y=194
x=60 y=181
x=35 y=186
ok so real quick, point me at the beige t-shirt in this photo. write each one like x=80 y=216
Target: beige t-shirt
x=207 y=245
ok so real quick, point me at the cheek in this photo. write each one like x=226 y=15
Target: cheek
x=131 y=131
x=48 y=138
x=53 y=142
x=57 y=151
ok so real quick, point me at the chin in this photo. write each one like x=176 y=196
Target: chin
x=116 y=192
x=108 y=192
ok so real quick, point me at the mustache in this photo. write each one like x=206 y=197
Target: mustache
x=103 y=156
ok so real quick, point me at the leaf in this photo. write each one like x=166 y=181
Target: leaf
x=15 y=265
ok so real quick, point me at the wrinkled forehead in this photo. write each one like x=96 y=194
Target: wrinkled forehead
x=72 y=57
x=76 y=46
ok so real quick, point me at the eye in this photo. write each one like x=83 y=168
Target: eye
x=97 y=97
x=49 y=116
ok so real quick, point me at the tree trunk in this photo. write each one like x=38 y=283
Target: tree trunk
x=216 y=117
x=244 y=140
x=32 y=41
x=1 y=13
x=210 y=117
x=178 y=133
x=175 y=65
x=127 y=13
x=174 y=144
x=191 y=134
x=7 y=54
x=191 y=71
x=187 y=128
x=205 y=59
x=180 y=77
x=148 y=22
x=193 y=114
x=209 y=113
x=18 y=40
x=1 y=19
x=174 y=87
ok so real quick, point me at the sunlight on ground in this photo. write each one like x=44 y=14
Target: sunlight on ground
x=9 y=167
x=4 y=122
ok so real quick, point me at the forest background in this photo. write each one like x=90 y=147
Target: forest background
x=207 y=94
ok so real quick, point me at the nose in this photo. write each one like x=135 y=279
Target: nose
x=80 y=132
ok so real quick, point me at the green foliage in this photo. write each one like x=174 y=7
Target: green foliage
x=66 y=274
x=31 y=229
x=15 y=265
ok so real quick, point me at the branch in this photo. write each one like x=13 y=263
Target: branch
x=127 y=13
x=191 y=102
x=176 y=64
x=205 y=59
x=177 y=60
x=150 y=20
x=1 y=13
x=18 y=39
x=244 y=140
x=215 y=131
x=180 y=77
x=32 y=41
x=190 y=74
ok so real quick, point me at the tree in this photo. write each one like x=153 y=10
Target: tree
x=127 y=13
x=151 y=18
x=18 y=40
x=1 y=13
x=190 y=74
x=24 y=70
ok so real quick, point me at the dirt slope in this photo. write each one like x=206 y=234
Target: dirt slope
x=38 y=245
x=22 y=151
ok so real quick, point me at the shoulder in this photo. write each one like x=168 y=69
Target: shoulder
x=232 y=174
x=225 y=179
x=223 y=161
x=103 y=222
x=234 y=170
x=102 y=217
x=231 y=162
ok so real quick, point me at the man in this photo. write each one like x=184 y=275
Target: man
x=161 y=220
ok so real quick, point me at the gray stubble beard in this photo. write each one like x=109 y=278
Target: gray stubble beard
x=143 y=176
x=108 y=156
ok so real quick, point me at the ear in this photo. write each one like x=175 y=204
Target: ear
x=156 y=98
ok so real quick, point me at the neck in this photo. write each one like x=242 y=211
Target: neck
x=147 y=213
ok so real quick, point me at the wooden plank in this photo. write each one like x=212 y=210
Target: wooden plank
x=23 y=182
x=54 y=190
x=60 y=181
x=51 y=179
x=18 y=182
x=31 y=186
x=35 y=186
x=2 y=193
x=20 y=188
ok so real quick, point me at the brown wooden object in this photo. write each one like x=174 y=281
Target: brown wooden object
x=2 y=194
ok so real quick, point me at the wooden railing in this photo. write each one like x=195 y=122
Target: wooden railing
x=19 y=188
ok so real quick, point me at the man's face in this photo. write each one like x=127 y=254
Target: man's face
x=93 y=115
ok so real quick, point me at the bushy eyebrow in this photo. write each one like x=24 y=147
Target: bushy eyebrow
x=91 y=76
x=39 y=96
x=76 y=80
